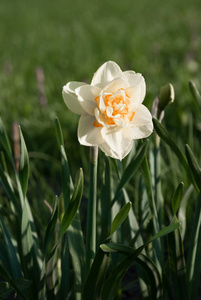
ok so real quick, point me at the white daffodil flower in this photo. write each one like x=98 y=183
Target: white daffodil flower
x=111 y=109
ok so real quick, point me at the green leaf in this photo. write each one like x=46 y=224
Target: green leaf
x=23 y=166
x=59 y=133
x=120 y=217
x=3 y=161
x=195 y=93
x=5 y=275
x=66 y=178
x=5 y=180
x=67 y=187
x=73 y=206
x=177 y=197
x=155 y=284
x=111 y=247
x=154 y=280
x=77 y=252
x=106 y=200
x=177 y=264
x=162 y=132
x=134 y=226
x=97 y=273
x=5 y=290
x=111 y=286
x=30 y=259
x=11 y=252
x=4 y=141
x=157 y=253
x=165 y=231
x=193 y=267
x=132 y=167
x=195 y=168
x=51 y=226
x=182 y=209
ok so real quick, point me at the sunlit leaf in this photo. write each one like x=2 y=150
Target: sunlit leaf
x=30 y=256
x=195 y=168
x=24 y=165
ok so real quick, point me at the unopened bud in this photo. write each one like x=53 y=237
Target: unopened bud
x=165 y=96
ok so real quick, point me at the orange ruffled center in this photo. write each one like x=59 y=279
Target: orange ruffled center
x=114 y=109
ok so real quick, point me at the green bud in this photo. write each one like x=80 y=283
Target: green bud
x=165 y=96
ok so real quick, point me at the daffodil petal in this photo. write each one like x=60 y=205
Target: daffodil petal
x=141 y=125
x=88 y=134
x=116 y=84
x=86 y=96
x=70 y=98
x=106 y=73
x=137 y=86
x=116 y=145
x=142 y=116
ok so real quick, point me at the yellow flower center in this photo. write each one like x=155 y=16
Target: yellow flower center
x=114 y=109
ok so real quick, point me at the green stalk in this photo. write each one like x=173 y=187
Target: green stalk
x=157 y=178
x=91 y=217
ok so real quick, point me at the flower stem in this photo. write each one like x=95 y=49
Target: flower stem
x=91 y=217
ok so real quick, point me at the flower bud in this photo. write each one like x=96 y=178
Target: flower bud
x=165 y=96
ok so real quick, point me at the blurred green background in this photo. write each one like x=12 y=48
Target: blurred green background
x=70 y=39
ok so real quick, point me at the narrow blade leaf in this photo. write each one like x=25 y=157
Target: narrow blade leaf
x=132 y=167
x=120 y=217
x=51 y=226
x=92 y=288
x=11 y=252
x=177 y=264
x=24 y=165
x=59 y=133
x=195 y=93
x=193 y=267
x=77 y=252
x=29 y=257
x=194 y=166
x=5 y=275
x=177 y=197
x=73 y=206
x=4 y=141
x=162 y=132
x=154 y=280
